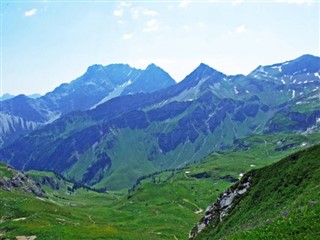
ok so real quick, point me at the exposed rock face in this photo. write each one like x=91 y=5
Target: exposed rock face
x=223 y=206
x=26 y=237
x=21 y=181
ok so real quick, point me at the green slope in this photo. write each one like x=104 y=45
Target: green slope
x=162 y=206
x=283 y=202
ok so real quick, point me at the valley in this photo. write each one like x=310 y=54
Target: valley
x=153 y=209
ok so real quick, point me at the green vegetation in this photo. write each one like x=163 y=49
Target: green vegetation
x=165 y=205
x=283 y=202
x=5 y=171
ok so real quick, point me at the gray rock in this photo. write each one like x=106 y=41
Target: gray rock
x=21 y=181
x=223 y=205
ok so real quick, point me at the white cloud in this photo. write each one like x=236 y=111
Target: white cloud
x=121 y=22
x=125 y=4
x=184 y=3
x=30 y=13
x=150 y=12
x=201 y=25
x=151 y=25
x=241 y=29
x=118 y=12
x=135 y=12
x=186 y=28
x=236 y=2
x=127 y=36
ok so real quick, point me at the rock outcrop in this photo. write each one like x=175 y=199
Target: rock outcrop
x=21 y=181
x=224 y=204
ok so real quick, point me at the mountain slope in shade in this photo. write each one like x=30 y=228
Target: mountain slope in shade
x=97 y=85
x=129 y=136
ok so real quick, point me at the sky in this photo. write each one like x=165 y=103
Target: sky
x=46 y=43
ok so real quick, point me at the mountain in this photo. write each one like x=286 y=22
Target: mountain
x=6 y=96
x=34 y=96
x=301 y=114
x=22 y=114
x=277 y=201
x=126 y=137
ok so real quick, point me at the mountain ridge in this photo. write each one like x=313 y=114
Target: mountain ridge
x=80 y=94
x=205 y=112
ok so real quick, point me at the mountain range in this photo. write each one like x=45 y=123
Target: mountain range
x=112 y=125
x=22 y=114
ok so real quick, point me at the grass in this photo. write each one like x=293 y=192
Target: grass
x=283 y=202
x=5 y=171
x=160 y=207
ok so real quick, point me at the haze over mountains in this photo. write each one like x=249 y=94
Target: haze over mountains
x=115 y=123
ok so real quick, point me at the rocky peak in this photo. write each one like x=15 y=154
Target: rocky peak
x=94 y=68
x=152 y=66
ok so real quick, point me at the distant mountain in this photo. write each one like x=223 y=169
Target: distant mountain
x=116 y=142
x=6 y=96
x=22 y=114
x=34 y=96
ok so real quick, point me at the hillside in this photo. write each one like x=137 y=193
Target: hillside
x=282 y=202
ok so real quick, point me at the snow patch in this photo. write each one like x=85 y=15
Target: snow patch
x=317 y=75
x=278 y=67
x=10 y=124
x=304 y=144
x=235 y=90
x=115 y=93
x=293 y=93
x=283 y=81
x=90 y=83
x=192 y=92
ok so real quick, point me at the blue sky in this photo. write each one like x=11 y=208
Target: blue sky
x=46 y=43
